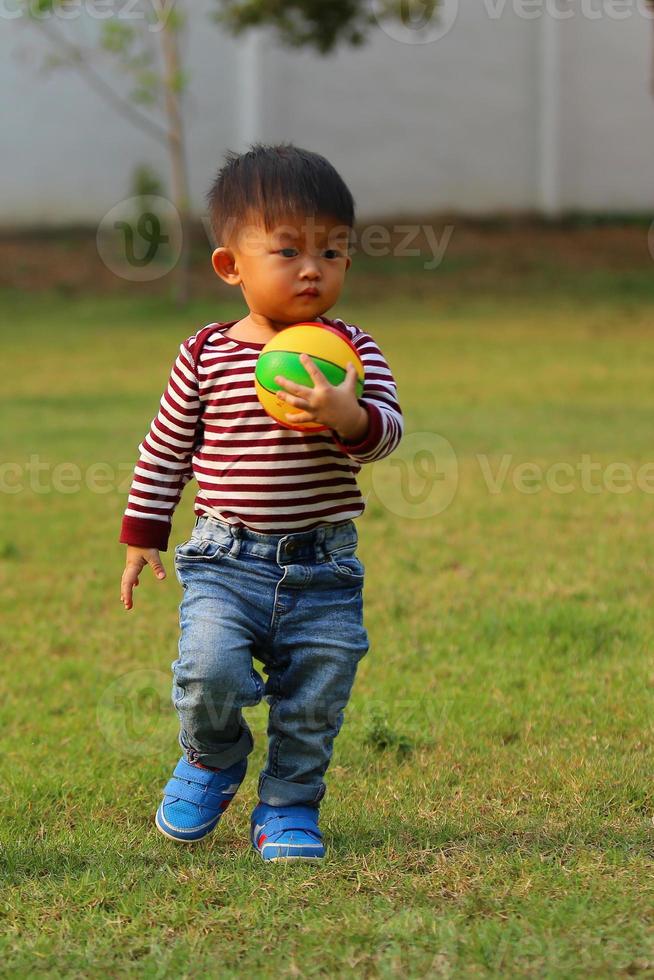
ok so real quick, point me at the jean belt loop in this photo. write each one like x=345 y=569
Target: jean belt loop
x=237 y=537
x=320 y=543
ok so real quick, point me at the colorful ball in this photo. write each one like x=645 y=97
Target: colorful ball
x=328 y=349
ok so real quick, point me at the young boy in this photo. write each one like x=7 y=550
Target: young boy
x=270 y=570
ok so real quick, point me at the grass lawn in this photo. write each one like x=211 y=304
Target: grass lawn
x=490 y=799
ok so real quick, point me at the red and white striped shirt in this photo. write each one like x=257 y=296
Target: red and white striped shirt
x=250 y=470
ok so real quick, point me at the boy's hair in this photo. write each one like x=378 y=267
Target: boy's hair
x=274 y=184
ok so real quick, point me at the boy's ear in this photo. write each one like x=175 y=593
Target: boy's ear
x=224 y=265
x=348 y=262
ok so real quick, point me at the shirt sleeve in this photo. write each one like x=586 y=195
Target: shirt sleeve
x=379 y=398
x=164 y=466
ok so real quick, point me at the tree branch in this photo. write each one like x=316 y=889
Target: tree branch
x=102 y=88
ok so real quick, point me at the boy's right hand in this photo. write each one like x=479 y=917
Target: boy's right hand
x=136 y=560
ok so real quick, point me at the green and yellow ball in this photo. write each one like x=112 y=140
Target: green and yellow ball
x=328 y=349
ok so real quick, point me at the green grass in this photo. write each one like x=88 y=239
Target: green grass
x=489 y=803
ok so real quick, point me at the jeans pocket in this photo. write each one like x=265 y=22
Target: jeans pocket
x=347 y=567
x=196 y=549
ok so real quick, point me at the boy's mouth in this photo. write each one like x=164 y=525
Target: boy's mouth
x=310 y=291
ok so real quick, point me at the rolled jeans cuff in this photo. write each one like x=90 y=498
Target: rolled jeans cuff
x=220 y=757
x=283 y=792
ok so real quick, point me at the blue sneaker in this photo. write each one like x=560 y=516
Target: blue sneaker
x=286 y=833
x=196 y=798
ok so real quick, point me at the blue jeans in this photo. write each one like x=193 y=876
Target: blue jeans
x=292 y=601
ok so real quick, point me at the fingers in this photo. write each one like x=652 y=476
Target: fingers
x=313 y=370
x=129 y=581
x=292 y=386
x=135 y=564
x=294 y=400
x=291 y=399
x=154 y=561
x=315 y=401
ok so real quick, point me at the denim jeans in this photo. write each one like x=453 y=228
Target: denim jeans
x=293 y=602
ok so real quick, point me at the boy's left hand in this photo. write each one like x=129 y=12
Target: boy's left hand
x=335 y=406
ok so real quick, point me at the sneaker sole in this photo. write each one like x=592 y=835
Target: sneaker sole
x=180 y=840
x=289 y=857
x=296 y=857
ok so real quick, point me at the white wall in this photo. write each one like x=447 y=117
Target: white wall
x=608 y=114
x=419 y=127
x=68 y=157
x=450 y=125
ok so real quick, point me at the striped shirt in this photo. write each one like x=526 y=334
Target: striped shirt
x=251 y=471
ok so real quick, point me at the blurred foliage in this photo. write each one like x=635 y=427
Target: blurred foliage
x=301 y=22
x=132 y=45
x=146 y=182
x=298 y=23
x=313 y=23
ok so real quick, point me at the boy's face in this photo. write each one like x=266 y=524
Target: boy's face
x=292 y=273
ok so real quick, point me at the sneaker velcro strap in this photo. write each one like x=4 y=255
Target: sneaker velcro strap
x=277 y=825
x=192 y=793
x=194 y=774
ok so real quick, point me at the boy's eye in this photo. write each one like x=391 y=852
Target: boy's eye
x=289 y=253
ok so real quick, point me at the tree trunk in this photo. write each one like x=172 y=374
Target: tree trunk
x=176 y=142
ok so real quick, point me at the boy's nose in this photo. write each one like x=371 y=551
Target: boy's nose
x=310 y=269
